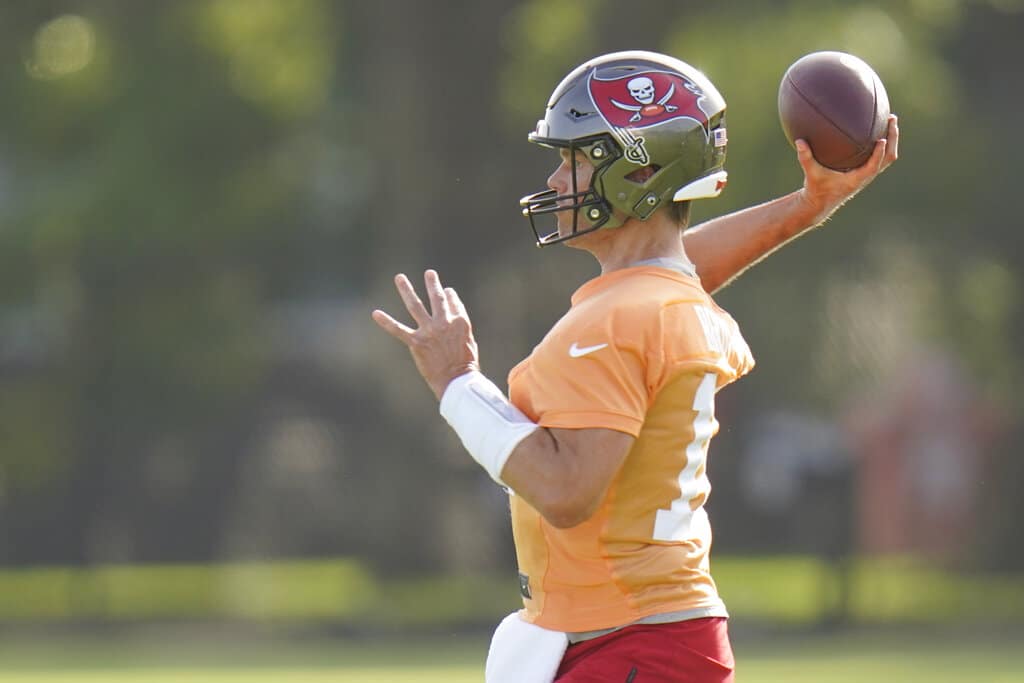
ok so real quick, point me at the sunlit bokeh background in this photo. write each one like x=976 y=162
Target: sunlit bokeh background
x=205 y=443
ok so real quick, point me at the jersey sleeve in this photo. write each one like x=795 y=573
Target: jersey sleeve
x=589 y=372
x=605 y=388
x=699 y=337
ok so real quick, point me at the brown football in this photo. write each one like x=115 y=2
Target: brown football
x=837 y=103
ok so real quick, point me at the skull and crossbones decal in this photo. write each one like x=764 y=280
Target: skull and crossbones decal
x=642 y=90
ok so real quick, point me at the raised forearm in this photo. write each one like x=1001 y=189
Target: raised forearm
x=724 y=247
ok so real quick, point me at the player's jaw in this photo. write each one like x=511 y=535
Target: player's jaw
x=562 y=182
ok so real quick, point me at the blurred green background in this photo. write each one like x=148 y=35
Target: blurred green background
x=208 y=449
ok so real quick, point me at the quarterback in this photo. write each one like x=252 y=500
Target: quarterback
x=602 y=440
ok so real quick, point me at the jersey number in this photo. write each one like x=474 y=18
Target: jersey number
x=680 y=521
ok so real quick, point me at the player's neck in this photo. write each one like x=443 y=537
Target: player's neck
x=635 y=241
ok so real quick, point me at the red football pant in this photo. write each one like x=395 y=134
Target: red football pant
x=692 y=651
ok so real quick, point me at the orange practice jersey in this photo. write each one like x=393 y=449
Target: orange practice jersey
x=642 y=350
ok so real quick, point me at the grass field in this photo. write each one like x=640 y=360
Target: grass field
x=896 y=655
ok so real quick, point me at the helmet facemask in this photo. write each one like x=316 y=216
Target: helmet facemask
x=590 y=209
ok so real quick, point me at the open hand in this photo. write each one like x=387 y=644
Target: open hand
x=826 y=190
x=442 y=345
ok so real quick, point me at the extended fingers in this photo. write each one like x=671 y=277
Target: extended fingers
x=396 y=329
x=438 y=300
x=455 y=303
x=411 y=299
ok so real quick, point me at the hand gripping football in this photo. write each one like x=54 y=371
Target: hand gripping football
x=837 y=103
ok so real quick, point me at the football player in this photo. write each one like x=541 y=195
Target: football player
x=603 y=439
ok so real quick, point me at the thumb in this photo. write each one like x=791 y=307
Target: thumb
x=803 y=153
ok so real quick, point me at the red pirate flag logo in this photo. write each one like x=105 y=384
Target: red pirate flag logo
x=645 y=99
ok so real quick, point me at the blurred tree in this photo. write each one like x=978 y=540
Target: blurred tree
x=201 y=201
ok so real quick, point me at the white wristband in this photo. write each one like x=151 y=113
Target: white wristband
x=489 y=426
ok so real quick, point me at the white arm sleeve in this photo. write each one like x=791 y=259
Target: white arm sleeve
x=489 y=426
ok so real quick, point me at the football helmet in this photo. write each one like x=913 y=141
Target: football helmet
x=628 y=111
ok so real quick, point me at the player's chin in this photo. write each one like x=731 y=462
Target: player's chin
x=564 y=224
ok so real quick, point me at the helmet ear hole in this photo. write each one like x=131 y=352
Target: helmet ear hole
x=642 y=175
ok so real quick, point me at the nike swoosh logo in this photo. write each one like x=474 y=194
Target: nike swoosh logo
x=576 y=351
